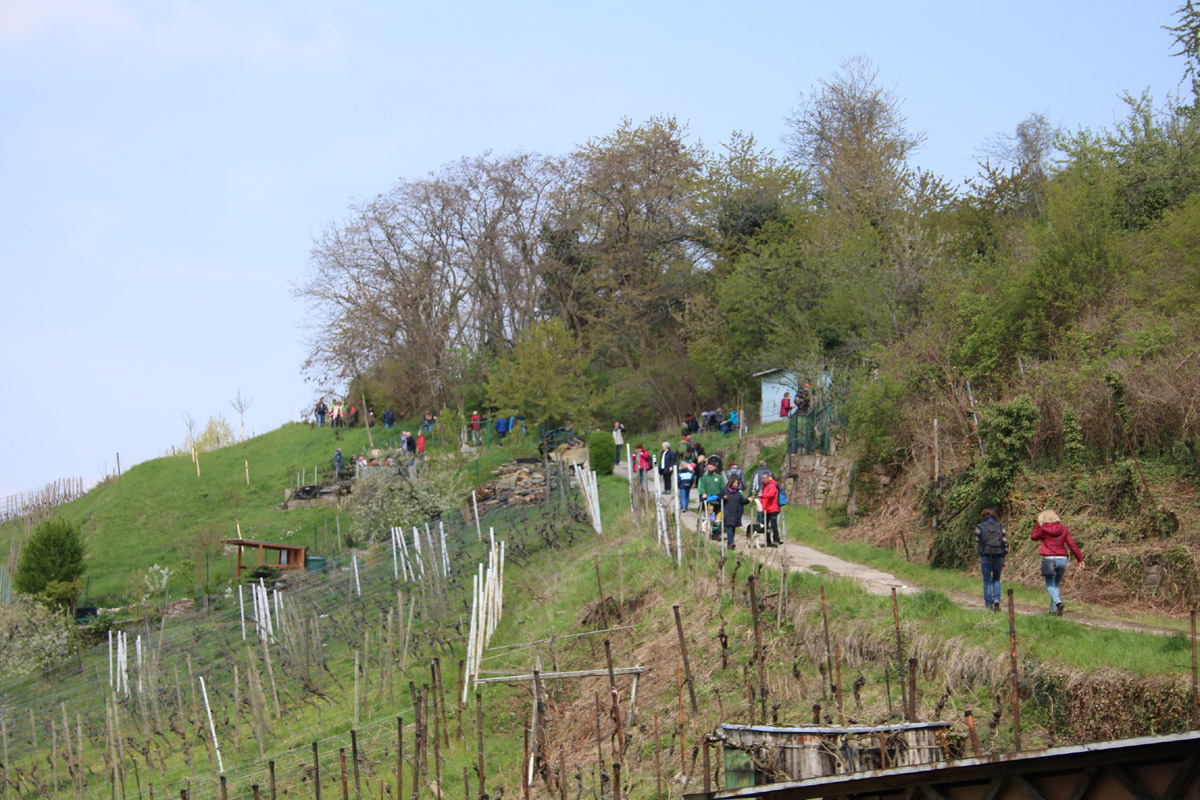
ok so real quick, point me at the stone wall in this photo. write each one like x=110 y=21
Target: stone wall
x=818 y=481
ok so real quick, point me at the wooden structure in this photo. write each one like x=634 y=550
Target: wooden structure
x=760 y=754
x=289 y=556
x=1148 y=768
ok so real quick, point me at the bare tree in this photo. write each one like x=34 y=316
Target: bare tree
x=240 y=404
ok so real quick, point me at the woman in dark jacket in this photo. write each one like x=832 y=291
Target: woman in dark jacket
x=1056 y=542
x=732 y=503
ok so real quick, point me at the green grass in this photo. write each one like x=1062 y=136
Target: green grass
x=160 y=512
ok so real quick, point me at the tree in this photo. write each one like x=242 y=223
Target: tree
x=1187 y=42
x=874 y=242
x=445 y=262
x=619 y=261
x=544 y=378
x=54 y=552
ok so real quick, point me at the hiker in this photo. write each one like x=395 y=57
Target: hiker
x=389 y=417
x=427 y=421
x=709 y=488
x=734 y=473
x=410 y=445
x=769 y=498
x=421 y=446
x=756 y=484
x=338 y=462
x=666 y=465
x=644 y=462
x=501 y=429
x=352 y=417
x=785 y=405
x=687 y=477
x=803 y=403
x=321 y=410
x=732 y=503
x=475 y=427
x=335 y=412
x=1056 y=542
x=756 y=480
x=618 y=434
x=734 y=421
x=992 y=543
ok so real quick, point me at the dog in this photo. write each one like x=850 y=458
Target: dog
x=756 y=534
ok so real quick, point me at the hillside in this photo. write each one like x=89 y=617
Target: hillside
x=272 y=701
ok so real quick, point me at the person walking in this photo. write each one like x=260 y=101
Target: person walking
x=992 y=544
x=475 y=422
x=321 y=410
x=769 y=497
x=1055 y=541
x=710 y=486
x=644 y=463
x=687 y=477
x=732 y=503
x=618 y=434
x=338 y=462
x=785 y=405
x=389 y=417
x=666 y=466
x=421 y=447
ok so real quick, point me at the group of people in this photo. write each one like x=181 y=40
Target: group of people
x=411 y=449
x=719 y=492
x=1055 y=548
x=341 y=415
x=713 y=421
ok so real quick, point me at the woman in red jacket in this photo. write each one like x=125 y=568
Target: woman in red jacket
x=1056 y=542
x=770 y=506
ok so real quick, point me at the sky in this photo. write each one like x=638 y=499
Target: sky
x=165 y=165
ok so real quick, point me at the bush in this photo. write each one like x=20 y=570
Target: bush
x=601 y=452
x=53 y=553
x=33 y=636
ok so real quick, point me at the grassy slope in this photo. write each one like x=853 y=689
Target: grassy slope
x=551 y=592
x=157 y=512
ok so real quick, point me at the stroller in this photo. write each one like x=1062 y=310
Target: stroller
x=709 y=519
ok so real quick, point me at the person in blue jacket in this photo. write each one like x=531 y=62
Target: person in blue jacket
x=501 y=428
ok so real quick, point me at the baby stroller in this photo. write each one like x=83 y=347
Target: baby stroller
x=709 y=519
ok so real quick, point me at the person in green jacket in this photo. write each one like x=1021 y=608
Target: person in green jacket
x=710 y=487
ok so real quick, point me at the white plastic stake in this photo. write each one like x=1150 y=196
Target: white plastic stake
x=212 y=728
x=478 y=529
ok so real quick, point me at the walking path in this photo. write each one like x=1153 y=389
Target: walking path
x=796 y=556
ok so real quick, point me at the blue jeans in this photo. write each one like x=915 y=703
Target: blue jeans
x=1053 y=569
x=320 y=420
x=991 y=567
x=683 y=497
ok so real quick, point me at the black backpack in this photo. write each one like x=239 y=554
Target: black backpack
x=991 y=537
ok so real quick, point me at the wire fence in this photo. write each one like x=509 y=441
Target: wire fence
x=356 y=648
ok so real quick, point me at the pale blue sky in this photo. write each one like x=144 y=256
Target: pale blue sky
x=165 y=164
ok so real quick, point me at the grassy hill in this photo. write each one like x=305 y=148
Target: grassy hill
x=346 y=661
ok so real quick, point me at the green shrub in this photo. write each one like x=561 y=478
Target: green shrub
x=53 y=553
x=601 y=452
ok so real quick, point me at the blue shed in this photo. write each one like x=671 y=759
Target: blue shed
x=774 y=383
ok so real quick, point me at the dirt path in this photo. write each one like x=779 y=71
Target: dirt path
x=796 y=556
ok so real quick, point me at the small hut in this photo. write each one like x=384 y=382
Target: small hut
x=761 y=754
x=279 y=556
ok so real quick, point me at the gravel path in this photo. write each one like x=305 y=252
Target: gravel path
x=796 y=556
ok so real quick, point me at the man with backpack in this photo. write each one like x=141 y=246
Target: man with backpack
x=992 y=542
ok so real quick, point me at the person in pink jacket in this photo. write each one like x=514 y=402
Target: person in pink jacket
x=1056 y=542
